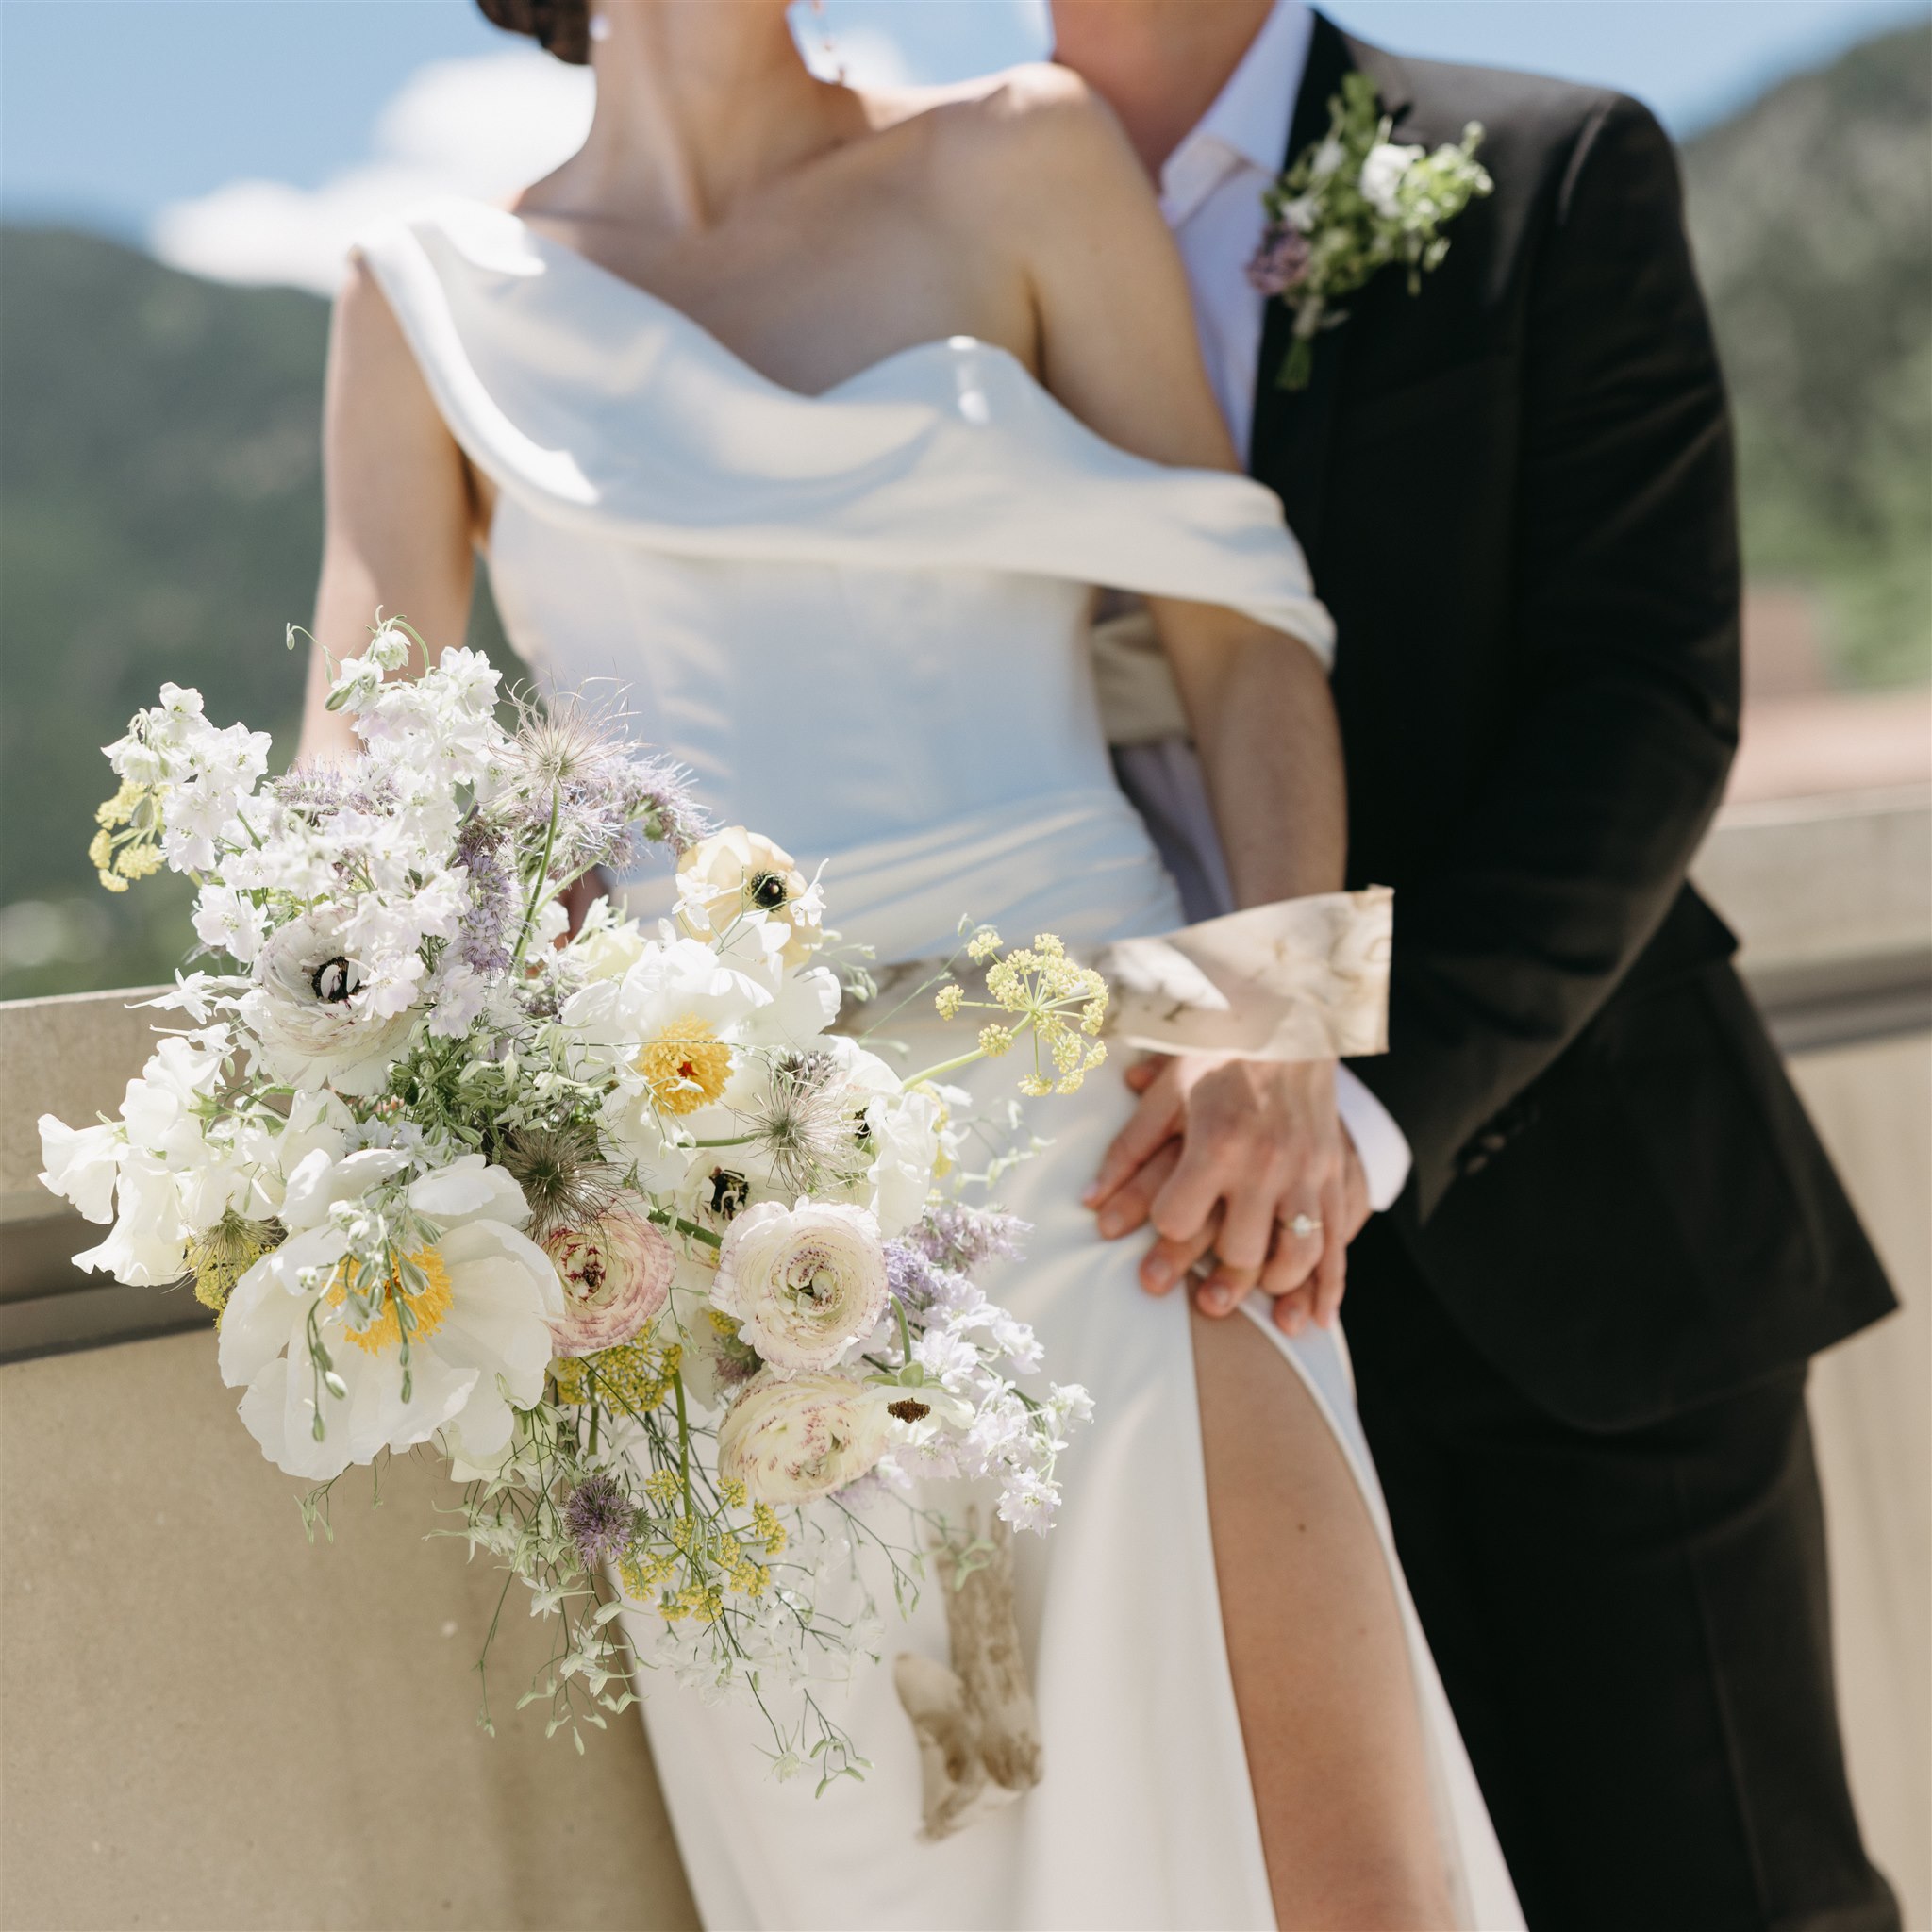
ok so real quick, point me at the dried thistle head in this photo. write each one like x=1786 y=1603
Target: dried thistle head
x=804 y=1122
x=564 y=1176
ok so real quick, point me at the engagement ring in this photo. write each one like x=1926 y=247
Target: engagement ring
x=1303 y=1225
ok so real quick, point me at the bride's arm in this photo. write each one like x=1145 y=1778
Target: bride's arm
x=1117 y=345
x=397 y=504
x=1261 y=1144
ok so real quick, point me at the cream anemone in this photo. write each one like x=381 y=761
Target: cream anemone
x=737 y=874
x=788 y=1442
x=480 y=1304
x=307 y=1013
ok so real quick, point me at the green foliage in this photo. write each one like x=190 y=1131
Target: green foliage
x=1811 y=215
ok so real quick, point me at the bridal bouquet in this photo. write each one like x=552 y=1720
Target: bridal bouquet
x=613 y=1223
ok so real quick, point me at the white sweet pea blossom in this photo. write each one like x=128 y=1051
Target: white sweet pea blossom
x=82 y=1165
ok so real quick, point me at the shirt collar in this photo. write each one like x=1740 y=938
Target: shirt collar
x=1250 y=116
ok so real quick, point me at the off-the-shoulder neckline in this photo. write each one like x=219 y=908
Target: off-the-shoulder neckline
x=951 y=346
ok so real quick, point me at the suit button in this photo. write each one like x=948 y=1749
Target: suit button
x=1493 y=1141
x=1475 y=1163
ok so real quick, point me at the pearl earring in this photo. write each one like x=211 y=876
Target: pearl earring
x=829 y=42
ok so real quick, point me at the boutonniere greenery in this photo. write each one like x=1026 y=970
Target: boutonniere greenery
x=1349 y=206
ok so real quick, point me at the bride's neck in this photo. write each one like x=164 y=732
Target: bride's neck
x=697 y=105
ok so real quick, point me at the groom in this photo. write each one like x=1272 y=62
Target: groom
x=1581 y=1330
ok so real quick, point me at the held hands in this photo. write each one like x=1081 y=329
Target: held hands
x=1223 y=1156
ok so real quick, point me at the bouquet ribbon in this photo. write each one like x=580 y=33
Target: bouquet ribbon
x=1299 y=979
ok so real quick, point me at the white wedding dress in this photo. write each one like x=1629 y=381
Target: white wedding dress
x=860 y=618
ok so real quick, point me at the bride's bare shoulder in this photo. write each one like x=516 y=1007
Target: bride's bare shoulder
x=1038 y=128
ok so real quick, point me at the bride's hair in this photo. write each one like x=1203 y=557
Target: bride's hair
x=562 y=26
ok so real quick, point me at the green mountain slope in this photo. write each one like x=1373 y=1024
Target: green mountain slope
x=1811 y=213
x=160 y=493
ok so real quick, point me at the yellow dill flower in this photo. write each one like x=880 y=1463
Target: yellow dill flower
x=732 y=1490
x=632 y=1376
x=994 y=1041
x=663 y=1485
x=686 y=1067
x=1035 y=1087
x=641 y=1571
x=134 y=854
x=948 y=999
x=724 y=1325
x=768 y=1529
x=983 y=944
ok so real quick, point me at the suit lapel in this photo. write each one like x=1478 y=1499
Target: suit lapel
x=1288 y=449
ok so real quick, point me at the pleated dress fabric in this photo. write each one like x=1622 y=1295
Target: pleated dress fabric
x=860 y=618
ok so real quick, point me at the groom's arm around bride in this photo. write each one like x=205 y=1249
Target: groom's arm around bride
x=1581 y=1332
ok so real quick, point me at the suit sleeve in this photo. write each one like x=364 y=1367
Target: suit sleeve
x=1627 y=663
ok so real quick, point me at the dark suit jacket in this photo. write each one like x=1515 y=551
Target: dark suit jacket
x=1515 y=489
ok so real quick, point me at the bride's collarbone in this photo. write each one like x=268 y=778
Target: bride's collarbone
x=811 y=289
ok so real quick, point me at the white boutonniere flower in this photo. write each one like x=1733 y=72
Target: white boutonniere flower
x=1351 y=205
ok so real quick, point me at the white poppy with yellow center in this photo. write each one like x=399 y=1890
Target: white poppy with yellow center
x=477 y=1301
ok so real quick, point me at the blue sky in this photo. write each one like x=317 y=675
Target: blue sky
x=113 y=111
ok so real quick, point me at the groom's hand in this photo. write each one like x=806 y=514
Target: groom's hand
x=1222 y=1156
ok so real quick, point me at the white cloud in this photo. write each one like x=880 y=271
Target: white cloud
x=490 y=125
x=483 y=128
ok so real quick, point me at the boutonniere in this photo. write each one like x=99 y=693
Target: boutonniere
x=1351 y=203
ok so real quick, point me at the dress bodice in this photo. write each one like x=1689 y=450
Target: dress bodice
x=860 y=618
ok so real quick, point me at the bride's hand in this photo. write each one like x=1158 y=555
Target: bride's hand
x=1222 y=1156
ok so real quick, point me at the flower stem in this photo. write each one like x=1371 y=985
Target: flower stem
x=683 y=1443
x=538 y=896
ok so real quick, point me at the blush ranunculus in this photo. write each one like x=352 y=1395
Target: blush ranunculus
x=616 y=1274
x=788 y=1442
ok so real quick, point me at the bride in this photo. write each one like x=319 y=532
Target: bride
x=812 y=416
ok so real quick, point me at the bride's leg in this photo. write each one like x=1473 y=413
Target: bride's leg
x=1315 y=1642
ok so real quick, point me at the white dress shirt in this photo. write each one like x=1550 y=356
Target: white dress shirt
x=1210 y=192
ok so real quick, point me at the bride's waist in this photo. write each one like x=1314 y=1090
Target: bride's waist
x=1078 y=863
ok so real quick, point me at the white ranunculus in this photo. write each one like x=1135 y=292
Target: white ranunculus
x=82 y=1163
x=1382 y=173
x=788 y=1442
x=304 y=1011
x=480 y=1348
x=806 y=1284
